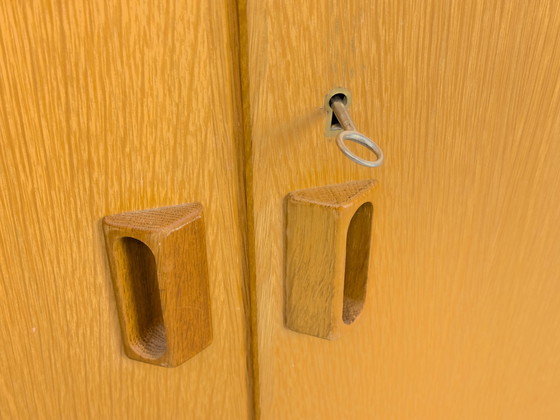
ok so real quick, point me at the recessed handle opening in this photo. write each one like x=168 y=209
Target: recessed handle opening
x=142 y=309
x=358 y=242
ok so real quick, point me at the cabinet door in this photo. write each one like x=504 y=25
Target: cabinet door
x=462 y=315
x=108 y=107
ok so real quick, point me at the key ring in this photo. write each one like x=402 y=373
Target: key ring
x=359 y=138
x=338 y=106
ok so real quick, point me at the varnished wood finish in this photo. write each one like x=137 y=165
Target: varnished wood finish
x=109 y=107
x=462 y=314
x=328 y=237
x=160 y=275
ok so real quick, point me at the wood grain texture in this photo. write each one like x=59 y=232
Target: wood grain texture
x=107 y=107
x=328 y=242
x=159 y=267
x=462 y=315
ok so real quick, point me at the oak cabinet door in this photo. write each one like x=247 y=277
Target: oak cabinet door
x=462 y=313
x=108 y=107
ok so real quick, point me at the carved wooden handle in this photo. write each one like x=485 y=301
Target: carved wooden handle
x=160 y=276
x=328 y=241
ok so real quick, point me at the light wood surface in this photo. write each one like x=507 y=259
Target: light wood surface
x=328 y=242
x=462 y=314
x=107 y=107
x=159 y=267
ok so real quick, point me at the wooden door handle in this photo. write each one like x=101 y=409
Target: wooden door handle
x=160 y=275
x=328 y=241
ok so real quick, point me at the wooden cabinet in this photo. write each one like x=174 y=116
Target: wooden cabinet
x=462 y=309
x=106 y=108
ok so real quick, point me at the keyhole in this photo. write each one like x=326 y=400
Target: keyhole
x=332 y=126
x=335 y=124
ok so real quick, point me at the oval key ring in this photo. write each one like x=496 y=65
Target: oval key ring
x=359 y=138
